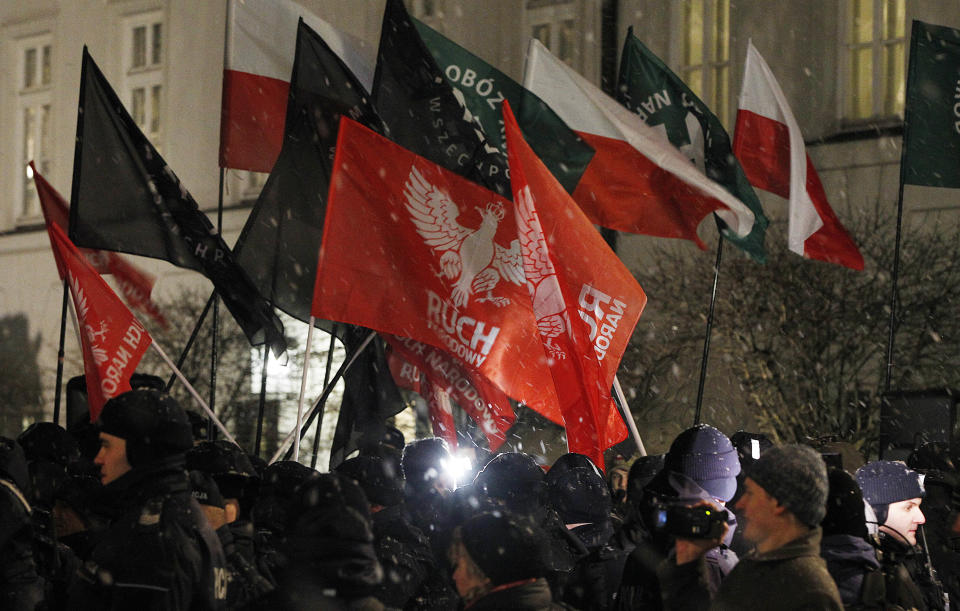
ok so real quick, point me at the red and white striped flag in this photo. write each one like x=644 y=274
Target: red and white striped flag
x=261 y=41
x=770 y=148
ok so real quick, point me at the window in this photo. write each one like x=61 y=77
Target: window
x=874 y=66
x=554 y=23
x=703 y=56
x=426 y=9
x=144 y=54
x=33 y=120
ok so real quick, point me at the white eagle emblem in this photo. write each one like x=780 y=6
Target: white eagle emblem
x=469 y=258
x=549 y=307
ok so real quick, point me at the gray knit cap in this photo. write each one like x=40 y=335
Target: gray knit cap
x=796 y=476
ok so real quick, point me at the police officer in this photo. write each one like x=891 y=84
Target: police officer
x=158 y=552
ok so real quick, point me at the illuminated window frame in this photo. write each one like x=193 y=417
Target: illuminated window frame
x=873 y=78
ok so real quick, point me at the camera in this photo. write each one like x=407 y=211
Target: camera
x=697 y=522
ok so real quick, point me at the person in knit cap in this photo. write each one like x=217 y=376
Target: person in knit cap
x=785 y=500
x=701 y=466
x=895 y=493
x=500 y=561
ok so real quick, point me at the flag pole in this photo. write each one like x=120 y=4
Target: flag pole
x=326 y=381
x=191 y=339
x=60 y=352
x=621 y=402
x=263 y=399
x=215 y=330
x=193 y=393
x=907 y=115
x=706 y=339
x=318 y=404
x=303 y=389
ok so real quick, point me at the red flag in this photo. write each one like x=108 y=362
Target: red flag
x=261 y=40
x=585 y=301
x=441 y=412
x=770 y=148
x=135 y=284
x=414 y=250
x=112 y=340
x=486 y=405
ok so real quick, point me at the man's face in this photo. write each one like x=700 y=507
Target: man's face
x=903 y=518
x=758 y=510
x=112 y=458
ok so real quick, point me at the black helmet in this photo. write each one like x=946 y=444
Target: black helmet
x=152 y=423
x=49 y=442
x=227 y=463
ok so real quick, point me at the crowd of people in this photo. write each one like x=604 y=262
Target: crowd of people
x=137 y=514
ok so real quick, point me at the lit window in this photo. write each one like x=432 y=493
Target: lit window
x=34 y=114
x=554 y=23
x=144 y=73
x=875 y=58
x=704 y=58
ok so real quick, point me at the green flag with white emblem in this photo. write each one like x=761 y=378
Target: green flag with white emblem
x=647 y=87
x=483 y=88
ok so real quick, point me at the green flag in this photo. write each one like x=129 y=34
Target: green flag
x=483 y=88
x=646 y=86
x=931 y=154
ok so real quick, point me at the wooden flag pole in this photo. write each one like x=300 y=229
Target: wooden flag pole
x=627 y=416
x=303 y=389
x=193 y=393
x=706 y=338
x=318 y=404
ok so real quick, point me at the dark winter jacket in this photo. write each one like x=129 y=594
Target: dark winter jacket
x=594 y=581
x=405 y=555
x=246 y=584
x=159 y=553
x=848 y=559
x=793 y=576
x=907 y=583
x=528 y=595
x=20 y=586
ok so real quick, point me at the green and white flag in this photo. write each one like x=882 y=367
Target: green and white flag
x=483 y=88
x=647 y=87
x=931 y=156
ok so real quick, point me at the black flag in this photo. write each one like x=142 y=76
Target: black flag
x=370 y=396
x=280 y=242
x=127 y=199
x=423 y=113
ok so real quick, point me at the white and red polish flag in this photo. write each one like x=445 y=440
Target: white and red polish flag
x=258 y=62
x=636 y=181
x=112 y=340
x=585 y=300
x=135 y=284
x=769 y=145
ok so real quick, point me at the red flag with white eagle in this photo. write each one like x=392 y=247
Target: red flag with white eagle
x=414 y=250
x=485 y=404
x=135 y=284
x=112 y=340
x=261 y=40
x=769 y=145
x=585 y=301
